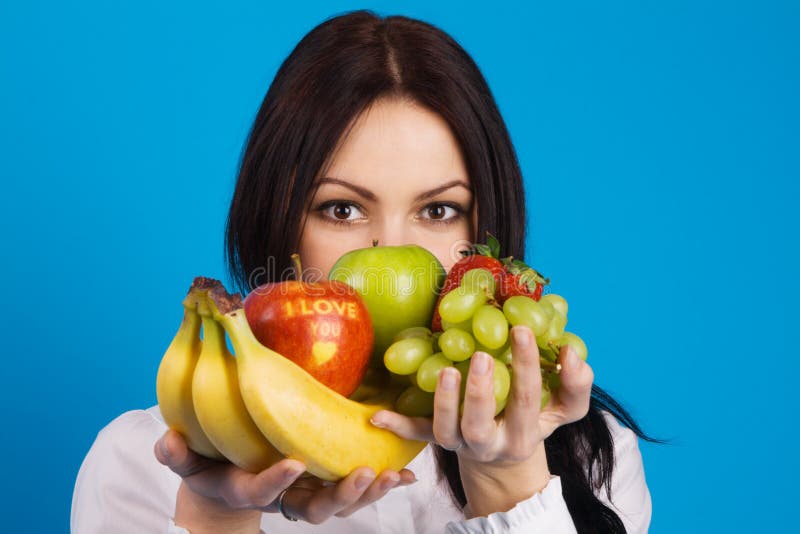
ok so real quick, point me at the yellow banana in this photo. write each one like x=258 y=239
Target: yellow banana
x=174 y=381
x=301 y=417
x=219 y=405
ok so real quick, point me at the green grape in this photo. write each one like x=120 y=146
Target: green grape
x=522 y=310
x=460 y=304
x=414 y=402
x=505 y=356
x=548 y=309
x=479 y=280
x=501 y=405
x=560 y=321
x=568 y=338
x=415 y=331
x=466 y=326
x=558 y=302
x=456 y=344
x=489 y=326
x=405 y=356
x=428 y=372
x=499 y=352
x=502 y=384
x=554 y=330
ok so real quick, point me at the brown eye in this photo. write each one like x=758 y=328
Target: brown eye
x=436 y=211
x=341 y=211
x=440 y=213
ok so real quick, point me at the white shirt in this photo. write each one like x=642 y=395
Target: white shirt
x=122 y=488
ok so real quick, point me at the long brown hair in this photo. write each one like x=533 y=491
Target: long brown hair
x=336 y=71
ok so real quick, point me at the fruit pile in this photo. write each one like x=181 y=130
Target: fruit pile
x=299 y=382
x=307 y=373
x=483 y=297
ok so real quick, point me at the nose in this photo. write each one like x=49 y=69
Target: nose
x=393 y=233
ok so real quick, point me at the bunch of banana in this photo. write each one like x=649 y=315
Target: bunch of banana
x=175 y=375
x=219 y=405
x=257 y=406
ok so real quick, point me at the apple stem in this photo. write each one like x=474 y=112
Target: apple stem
x=297 y=267
x=374 y=242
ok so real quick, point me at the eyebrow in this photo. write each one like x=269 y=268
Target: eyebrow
x=369 y=195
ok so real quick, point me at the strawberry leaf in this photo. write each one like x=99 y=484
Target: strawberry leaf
x=494 y=245
x=484 y=250
x=526 y=272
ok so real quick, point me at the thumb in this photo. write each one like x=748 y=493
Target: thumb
x=172 y=451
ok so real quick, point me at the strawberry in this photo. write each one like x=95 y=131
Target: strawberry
x=519 y=279
x=477 y=257
x=512 y=276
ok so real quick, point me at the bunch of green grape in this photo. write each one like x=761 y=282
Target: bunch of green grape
x=472 y=321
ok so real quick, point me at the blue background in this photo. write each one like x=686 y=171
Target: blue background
x=659 y=141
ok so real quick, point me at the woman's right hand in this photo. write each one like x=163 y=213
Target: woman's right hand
x=238 y=493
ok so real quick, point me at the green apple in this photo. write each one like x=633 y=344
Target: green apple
x=399 y=285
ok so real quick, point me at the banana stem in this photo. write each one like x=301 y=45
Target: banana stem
x=190 y=326
x=214 y=334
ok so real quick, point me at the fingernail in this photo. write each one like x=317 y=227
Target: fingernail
x=376 y=422
x=521 y=337
x=480 y=363
x=572 y=358
x=363 y=481
x=448 y=379
x=390 y=482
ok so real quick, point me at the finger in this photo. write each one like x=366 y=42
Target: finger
x=203 y=475
x=572 y=396
x=316 y=506
x=172 y=451
x=522 y=410
x=222 y=480
x=445 y=409
x=261 y=490
x=575 y=391
x=418 y=428
x=478 y=426
x=407 y=477
x=379 y=487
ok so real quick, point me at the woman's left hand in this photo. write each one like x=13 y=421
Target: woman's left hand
x=492 y=449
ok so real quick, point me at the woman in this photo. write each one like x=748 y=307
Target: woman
x=384 y=129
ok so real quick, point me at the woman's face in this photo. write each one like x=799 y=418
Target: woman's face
x=398 y=178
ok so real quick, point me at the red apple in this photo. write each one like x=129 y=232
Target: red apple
x=323 y=327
